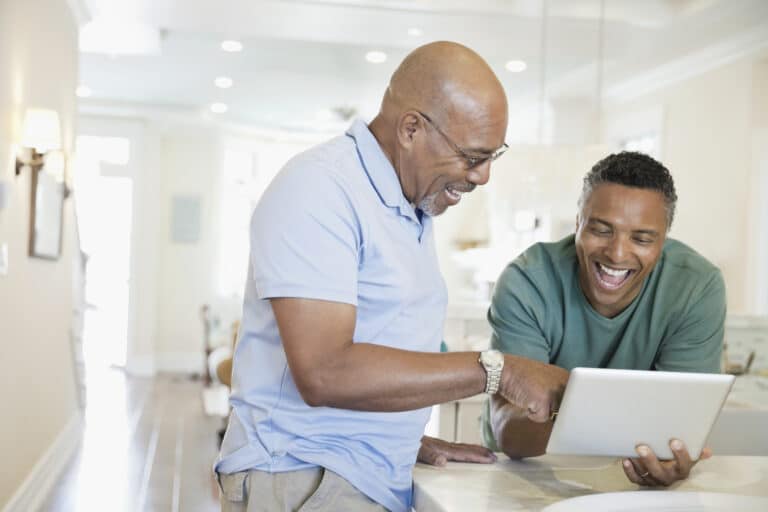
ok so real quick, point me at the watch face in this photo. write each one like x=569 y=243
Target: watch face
x=493 y=358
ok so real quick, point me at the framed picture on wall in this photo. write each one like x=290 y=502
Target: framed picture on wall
x=46 y=215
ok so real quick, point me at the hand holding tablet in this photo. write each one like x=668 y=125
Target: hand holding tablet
x=647 y=469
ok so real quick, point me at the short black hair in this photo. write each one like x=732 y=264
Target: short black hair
x=632 y=169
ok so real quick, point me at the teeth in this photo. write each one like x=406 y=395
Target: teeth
x=612 y=272
x=453 y=192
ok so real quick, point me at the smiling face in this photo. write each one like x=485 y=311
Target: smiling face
x=620 y=234
x=437 y=175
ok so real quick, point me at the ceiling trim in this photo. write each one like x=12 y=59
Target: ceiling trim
x=195 y=117
x=696 y=63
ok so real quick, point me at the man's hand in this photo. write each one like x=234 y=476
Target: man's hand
x=532 y=386
x=438 y=452
x=649 y=470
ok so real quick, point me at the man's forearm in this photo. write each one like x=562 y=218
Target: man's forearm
x=370 y=377
x=331 y=370
x=516 y=435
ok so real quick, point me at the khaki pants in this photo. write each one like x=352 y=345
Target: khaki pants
x=307 y=490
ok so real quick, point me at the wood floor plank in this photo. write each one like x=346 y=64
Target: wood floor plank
x=147 y=446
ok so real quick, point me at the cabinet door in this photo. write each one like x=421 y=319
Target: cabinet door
x=468 y=416
x=447 y=429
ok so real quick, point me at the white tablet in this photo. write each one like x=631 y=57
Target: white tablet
x=609 y=412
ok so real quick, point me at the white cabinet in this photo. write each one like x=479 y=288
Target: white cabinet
x=460 y=421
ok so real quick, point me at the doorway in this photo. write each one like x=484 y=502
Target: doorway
x=104 y=195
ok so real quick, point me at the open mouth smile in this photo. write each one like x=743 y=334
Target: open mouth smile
x=611 y=278
x=454 y=194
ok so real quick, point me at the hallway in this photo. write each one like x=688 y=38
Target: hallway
x=147 y=446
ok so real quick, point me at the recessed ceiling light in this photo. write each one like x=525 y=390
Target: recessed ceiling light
x=223 y=81
x=231 y=46
x=415 y=32
x=376 y=57
x=516 y=66
x=83 y=91
x=219 y=108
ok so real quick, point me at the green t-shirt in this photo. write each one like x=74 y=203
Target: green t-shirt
x=674 y=324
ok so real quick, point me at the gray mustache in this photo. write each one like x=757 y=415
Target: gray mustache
x=468 y=188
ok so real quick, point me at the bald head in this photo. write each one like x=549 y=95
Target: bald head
x=447 y=80
x=442 y=121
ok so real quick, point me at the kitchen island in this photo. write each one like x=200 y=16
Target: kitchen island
x=532 y=484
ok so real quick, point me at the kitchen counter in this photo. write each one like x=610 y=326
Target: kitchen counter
x=740 y=466
x=532 y=484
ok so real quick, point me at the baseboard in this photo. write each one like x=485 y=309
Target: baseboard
x=166 y=362
x=141 y=366
x=35 y=488
x=180 y=362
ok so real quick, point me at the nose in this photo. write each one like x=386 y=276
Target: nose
x=616 y=249
x=480 y=174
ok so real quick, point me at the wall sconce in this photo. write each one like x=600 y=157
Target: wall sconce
x=41 y=133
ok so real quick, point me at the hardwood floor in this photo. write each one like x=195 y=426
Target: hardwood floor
x=147 y=446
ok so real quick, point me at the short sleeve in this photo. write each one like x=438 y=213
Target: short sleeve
x=305 y=237
x=516 y=316
x=696 y=343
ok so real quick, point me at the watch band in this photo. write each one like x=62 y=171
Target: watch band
x=493 y=364
x=492 y=380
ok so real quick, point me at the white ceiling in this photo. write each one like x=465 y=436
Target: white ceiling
x=303 y=57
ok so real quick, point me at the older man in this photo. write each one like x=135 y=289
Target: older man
x=618 y=294
x=337 y=361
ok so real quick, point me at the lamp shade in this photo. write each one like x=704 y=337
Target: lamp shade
x=41 y=130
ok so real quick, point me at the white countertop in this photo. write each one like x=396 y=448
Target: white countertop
x=532 y=484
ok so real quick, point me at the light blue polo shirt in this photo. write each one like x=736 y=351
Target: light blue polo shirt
x=334 y=225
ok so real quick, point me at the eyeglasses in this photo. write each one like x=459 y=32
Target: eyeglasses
x=473 y=160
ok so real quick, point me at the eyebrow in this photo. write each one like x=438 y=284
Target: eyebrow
x=651 y=232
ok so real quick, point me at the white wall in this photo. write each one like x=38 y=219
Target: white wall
x=708 y=134
x=758 y=228
x=190 y=159
x=38 y=68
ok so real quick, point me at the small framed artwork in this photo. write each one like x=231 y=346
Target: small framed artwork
x=46 y=215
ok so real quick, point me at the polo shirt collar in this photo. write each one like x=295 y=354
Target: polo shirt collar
x=380 y=171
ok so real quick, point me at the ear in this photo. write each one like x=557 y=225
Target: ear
x=408 y=127
x=577 y=221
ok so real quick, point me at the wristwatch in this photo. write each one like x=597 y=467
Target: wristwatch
x=493 y=363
